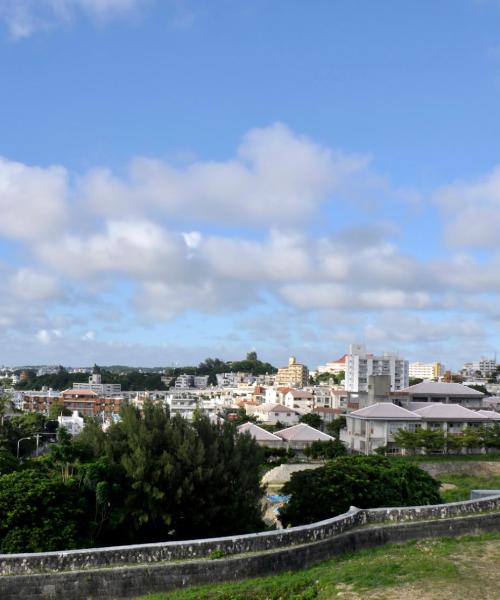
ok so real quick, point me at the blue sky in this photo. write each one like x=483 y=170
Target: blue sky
x=183 y=179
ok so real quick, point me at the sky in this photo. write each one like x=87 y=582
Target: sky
x=182 y=179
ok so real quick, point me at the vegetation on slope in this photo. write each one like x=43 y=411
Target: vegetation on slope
x=451 y=569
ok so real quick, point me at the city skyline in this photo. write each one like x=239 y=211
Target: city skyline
x=180 y=181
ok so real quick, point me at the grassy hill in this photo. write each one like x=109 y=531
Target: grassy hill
x=446 y=569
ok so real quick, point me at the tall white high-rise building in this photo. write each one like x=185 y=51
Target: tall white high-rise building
x=360 y=365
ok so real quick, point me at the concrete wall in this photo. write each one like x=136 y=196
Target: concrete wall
x=141 y=569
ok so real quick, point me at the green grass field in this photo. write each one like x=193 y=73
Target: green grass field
x=458 y=569
x=465 y=483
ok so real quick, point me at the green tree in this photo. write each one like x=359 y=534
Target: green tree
x=328 y=449
x=57 y=408
x=40 y=512
x=362 y=481
x=334 y=427
x=312 y=419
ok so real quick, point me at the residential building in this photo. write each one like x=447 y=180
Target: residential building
x=274 y=413
x=299 y=399
x=74 y=424
x=374 y=426
x=302 y=435
x=334 y=367
x=360 y=365
x=485 y=367
x=420 y=370
x=36 y=401
x=261 y=436
x=294 y=375
x=101 y=389
x=80 y=400
x=184 y=382
x=446 y=393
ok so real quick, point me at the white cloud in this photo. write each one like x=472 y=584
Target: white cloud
x=32 y=200
x=472 y=211
x=277 y=177
x=25 y=17
x=45 y=336
x=136 y=248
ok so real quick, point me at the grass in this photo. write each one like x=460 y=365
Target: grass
x=456 y=568
x=492 y=456
x=465 y=483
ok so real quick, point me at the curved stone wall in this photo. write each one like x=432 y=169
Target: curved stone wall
x=129 y=571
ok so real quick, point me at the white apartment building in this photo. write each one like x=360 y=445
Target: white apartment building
x=421 y=370
x=374 y=426
x=101 y=389
x=360 y=365
x=485 y=366
x=334 y=366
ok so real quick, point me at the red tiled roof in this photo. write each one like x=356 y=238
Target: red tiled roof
x=76 y=392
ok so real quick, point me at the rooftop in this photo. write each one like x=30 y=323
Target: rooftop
x=386 y=411
x=303 y=433
x=434 y=388
x=436 y=410
x=260 y=434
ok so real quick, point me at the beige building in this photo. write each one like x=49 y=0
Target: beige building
x=419 y=370
x=295 y=375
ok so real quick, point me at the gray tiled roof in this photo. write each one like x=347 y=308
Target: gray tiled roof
x=385 y=411
x=303 y=433
x=436 y=410
x=434 y=388
x=260 y=434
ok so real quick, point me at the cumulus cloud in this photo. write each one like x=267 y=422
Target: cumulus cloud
x=32 y=200
x=161 y=242
x=276 y=176
x=25 y=17
x=473 y=211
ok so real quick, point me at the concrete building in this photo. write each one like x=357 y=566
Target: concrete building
x=294 y=375
x=302 y=435
x=96 y=385
x=274 y=413
x=299 y=399
x=446 y=393
x=261 y=436
x=73 y=424
x=420 y=370
x=334 y=367
x=360 y=365
x=485 y=367
x=375 y=426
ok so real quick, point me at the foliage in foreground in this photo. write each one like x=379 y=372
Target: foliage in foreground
x=362 y=481
x=148 y=478
x=447 y=564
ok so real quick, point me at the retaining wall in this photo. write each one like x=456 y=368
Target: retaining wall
x=129 y=571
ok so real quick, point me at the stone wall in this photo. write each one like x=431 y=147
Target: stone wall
x=133 y=570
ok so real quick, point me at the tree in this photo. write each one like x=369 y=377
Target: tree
x=329 y=449
x=312 y=419
x=362 y=481
x=57 y=408
x=39 y=513
x=334 y=427
x=170 y=479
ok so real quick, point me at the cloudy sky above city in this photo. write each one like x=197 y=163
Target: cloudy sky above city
x=182 y=179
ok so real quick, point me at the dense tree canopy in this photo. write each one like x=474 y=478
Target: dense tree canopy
x=148 y=478
x=362 y=481
x=63 y=379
